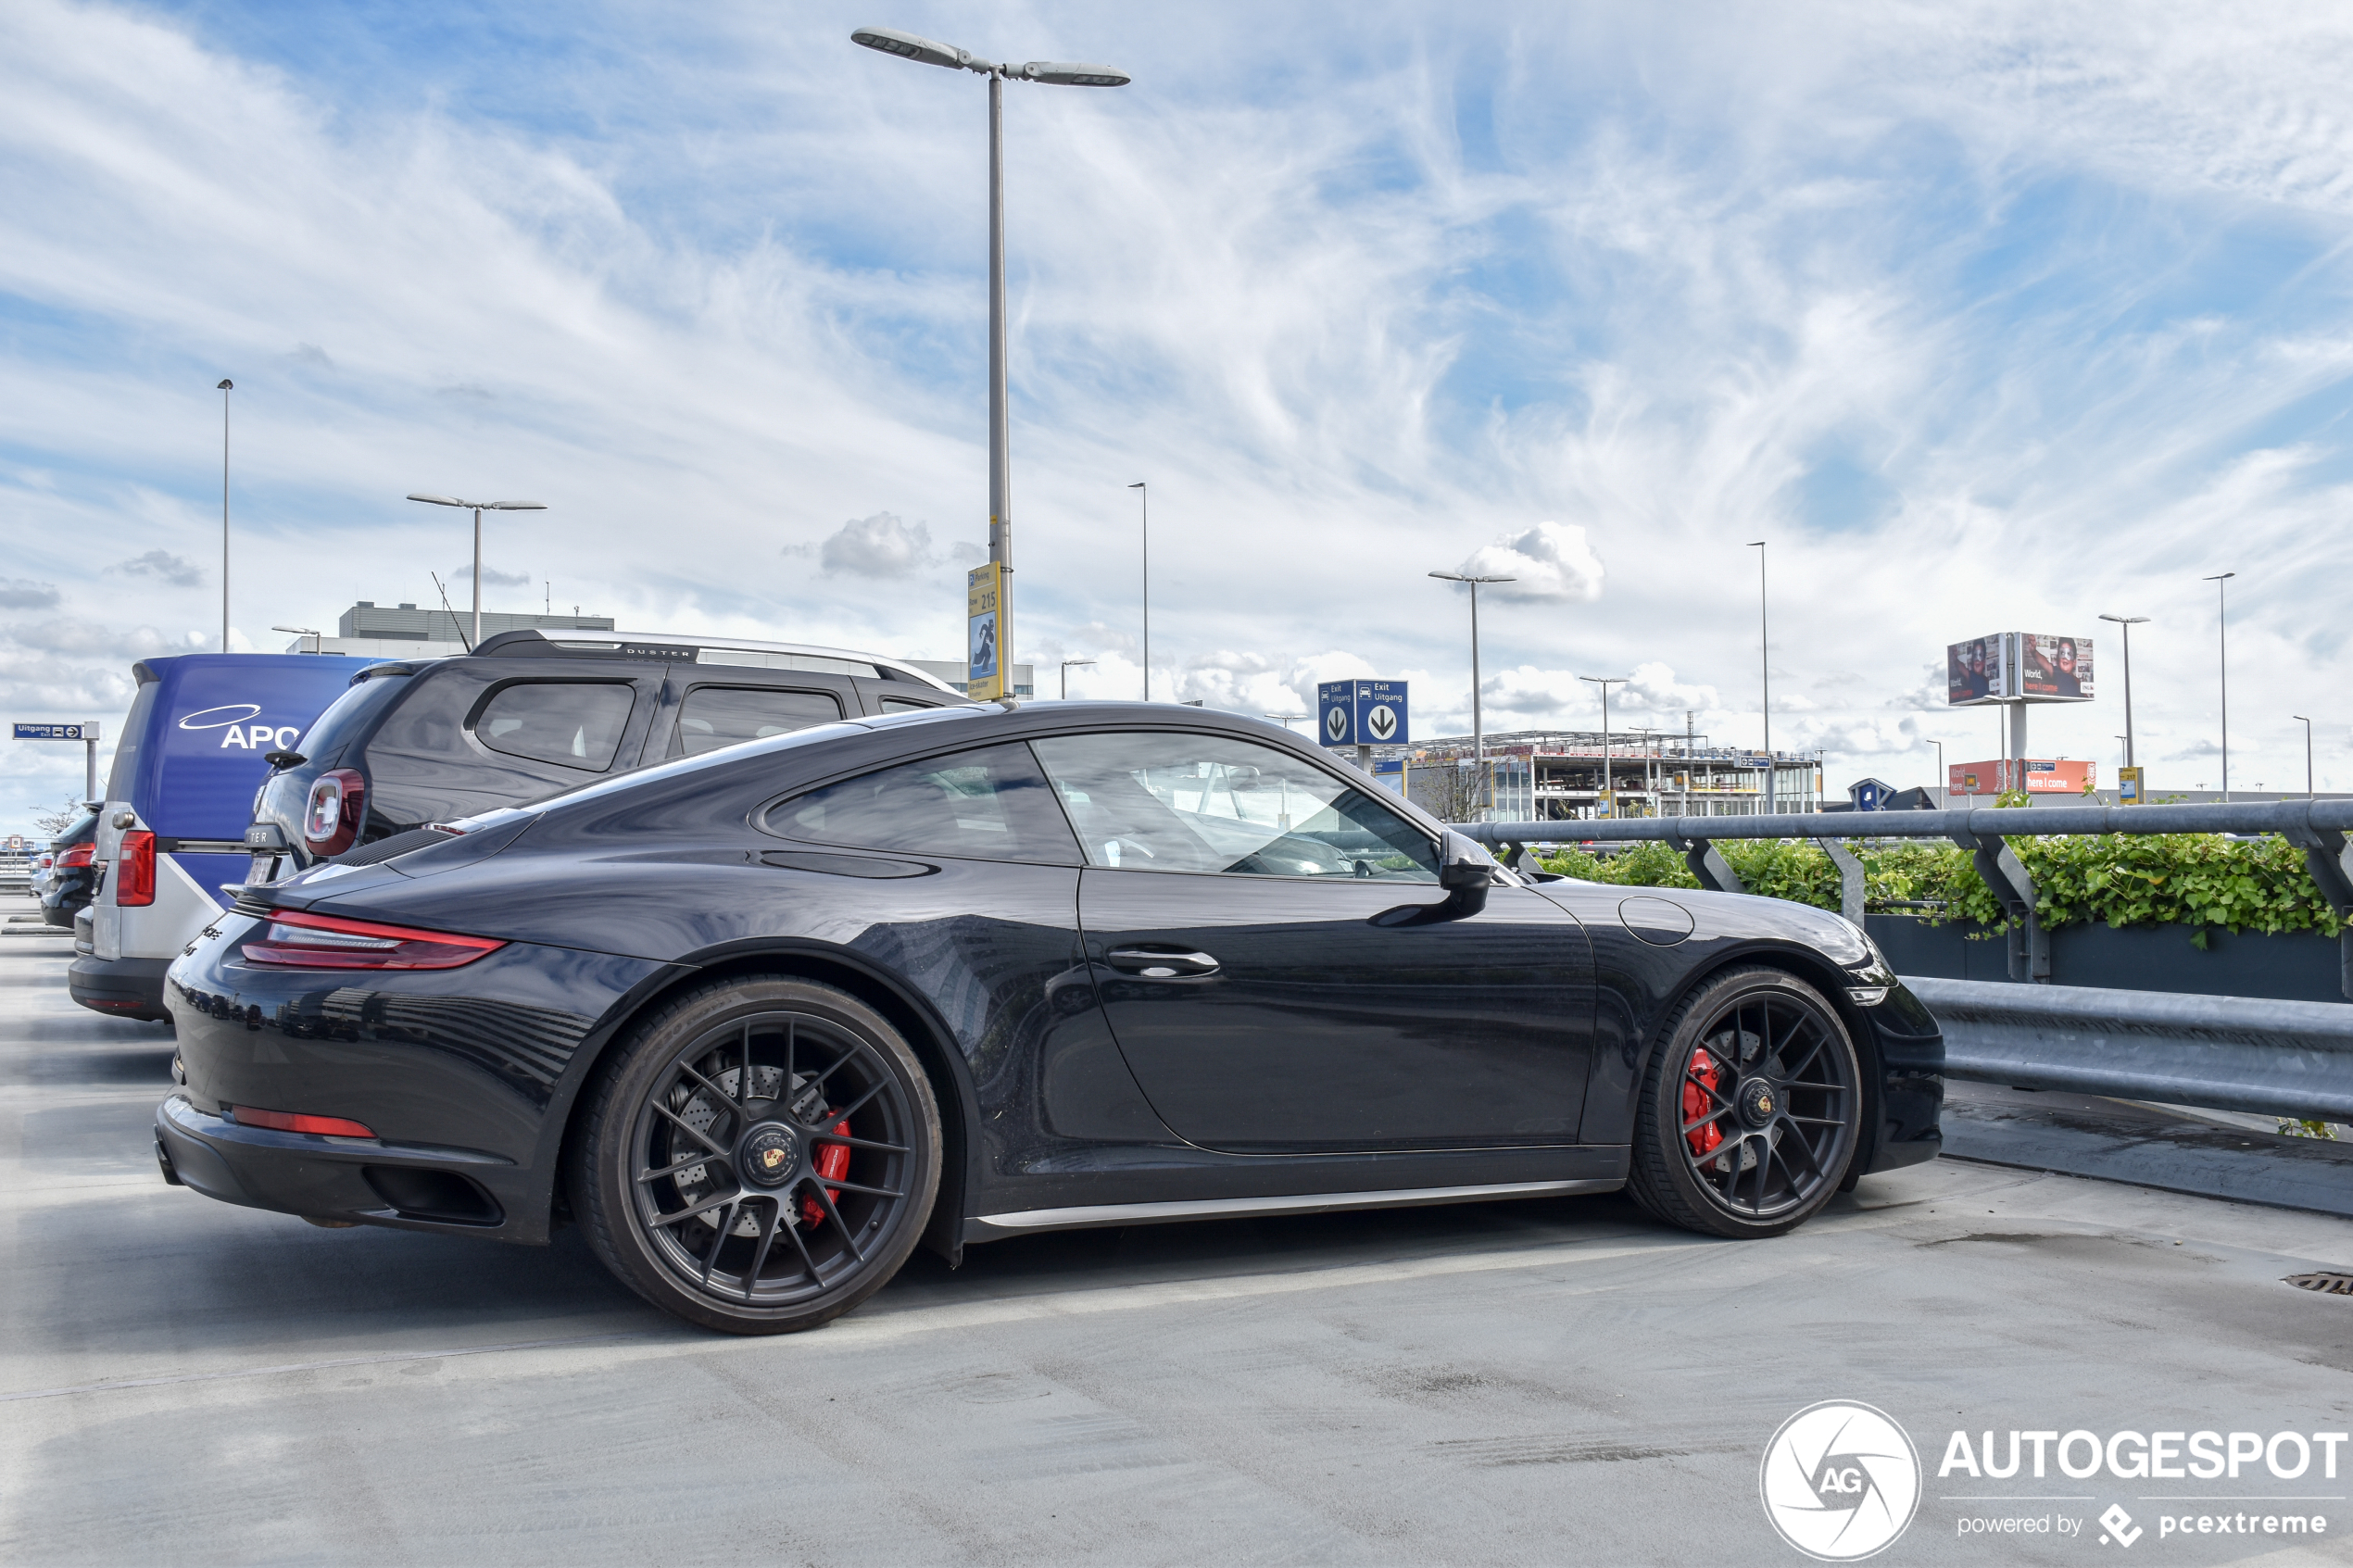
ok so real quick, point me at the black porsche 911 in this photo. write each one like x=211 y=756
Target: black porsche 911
x=763 y=1020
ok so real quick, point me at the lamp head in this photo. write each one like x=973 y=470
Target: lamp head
x=226 y=386
x=441 y=500
x=912 y=46
x=1063 y=75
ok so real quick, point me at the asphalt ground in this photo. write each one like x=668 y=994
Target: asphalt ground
x=1557 y=1381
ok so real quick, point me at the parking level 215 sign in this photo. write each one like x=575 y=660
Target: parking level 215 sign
x=1360 y=713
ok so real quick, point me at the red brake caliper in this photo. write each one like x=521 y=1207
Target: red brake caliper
x=1698 y=1103
x=832 y=1162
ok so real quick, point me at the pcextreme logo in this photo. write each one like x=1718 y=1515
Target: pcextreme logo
x=1840 y=1481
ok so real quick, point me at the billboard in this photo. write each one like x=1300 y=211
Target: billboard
x=2019 y=666
x=1973 y=670
x=2053 y=669
x=2036 y=775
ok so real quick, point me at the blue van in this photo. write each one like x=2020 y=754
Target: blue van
x=193 y=752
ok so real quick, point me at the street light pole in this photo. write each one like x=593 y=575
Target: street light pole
x=1146 y=497
x=478 y=507
x=1066 y=664
x=910 y=46
x=2128 y=622
x=1765 y=669
x=225 y=388
x=2223 y=651
x=2308 y=793
x=1609 y=792
x=1944 y=779
x=1478 y=724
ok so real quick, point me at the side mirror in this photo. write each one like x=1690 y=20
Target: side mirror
x=1465 y=870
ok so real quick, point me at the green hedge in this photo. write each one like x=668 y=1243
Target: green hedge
x=2125 y=880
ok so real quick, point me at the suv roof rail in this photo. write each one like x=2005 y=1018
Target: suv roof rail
x=713 y=650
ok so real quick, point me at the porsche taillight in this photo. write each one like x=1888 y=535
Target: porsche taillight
x=297 y=939
x=335 y=808
x=134 y=870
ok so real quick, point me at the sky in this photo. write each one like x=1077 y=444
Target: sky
x=1985 y=317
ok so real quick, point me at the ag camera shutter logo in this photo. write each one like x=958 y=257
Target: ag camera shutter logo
x=1840 y=1481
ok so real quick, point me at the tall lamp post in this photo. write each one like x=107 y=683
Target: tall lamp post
x=478 y=507
x=910 y=46
x=1066 y=667
x=2222 y=653
x=1146 y=498
x=1609 y=792
x=2308 y=793
x=225 y=388
x=2128 y=622
x=1765 y=670
x=1479 y=725
x=1944 y=779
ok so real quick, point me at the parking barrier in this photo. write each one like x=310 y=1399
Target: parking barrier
x=2228 y=1053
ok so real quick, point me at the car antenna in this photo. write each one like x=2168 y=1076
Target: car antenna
x=452 y=614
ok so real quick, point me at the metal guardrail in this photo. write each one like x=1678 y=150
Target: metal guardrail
x=2317 y=827
x=2229 y=1053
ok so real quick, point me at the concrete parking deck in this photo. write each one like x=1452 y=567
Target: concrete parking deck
x=1537 y=1382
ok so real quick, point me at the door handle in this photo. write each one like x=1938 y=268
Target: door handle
x=1155 y=965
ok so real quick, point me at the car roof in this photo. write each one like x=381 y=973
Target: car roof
x=715 y=650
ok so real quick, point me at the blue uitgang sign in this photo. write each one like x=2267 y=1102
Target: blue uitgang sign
x=56 y=732
x=1360 y=713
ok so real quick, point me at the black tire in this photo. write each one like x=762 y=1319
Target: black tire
x=709 y=1171
x=1750 y=1109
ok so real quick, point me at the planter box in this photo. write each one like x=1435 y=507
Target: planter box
x=2298 y=967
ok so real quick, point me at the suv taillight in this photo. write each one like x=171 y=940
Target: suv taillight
x=134 y=870
x=77 y=855
x=331 y=817
x=296 y=940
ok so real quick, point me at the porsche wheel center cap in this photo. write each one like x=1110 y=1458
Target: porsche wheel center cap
x=1758 y=1103
x=769 y=1155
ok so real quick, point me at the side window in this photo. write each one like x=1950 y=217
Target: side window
x=716 y=716
x=1142 y=801
x=574 y=723
x=987 y=804
x=900 y=705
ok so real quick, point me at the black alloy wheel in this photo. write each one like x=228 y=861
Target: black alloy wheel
x=1751 y=1110
x=761 y=1158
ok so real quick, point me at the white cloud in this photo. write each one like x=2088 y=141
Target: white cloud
x=880 y=545
x=18 y=593
x=1551 y=561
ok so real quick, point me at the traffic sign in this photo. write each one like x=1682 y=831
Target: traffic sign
x=56 y=732
x=1362 y=712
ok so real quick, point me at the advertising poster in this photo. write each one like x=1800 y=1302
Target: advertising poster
x=2053 y=669
x=1973 y=670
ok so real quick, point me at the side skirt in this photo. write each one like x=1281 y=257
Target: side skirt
x=990 y=1227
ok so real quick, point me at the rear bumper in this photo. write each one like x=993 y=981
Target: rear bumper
x=119 y=988
x=412 y=1187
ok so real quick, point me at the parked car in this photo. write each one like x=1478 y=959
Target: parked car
x=526 y=715
x=172 y=831
x=65 y=887
x=762 y=1019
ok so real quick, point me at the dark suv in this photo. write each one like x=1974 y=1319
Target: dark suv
x=525 y=715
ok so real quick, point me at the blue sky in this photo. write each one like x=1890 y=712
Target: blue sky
x=1985 y=316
